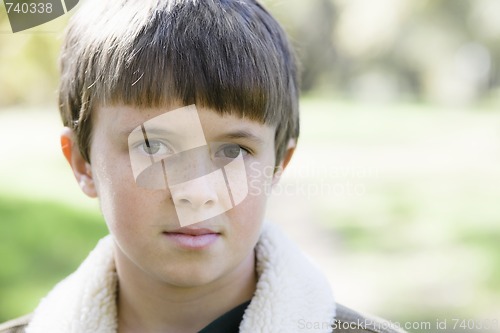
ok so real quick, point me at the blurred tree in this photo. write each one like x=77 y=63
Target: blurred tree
x=28 y=63
x=430 y=50
x=443 y=51
x=310 y=26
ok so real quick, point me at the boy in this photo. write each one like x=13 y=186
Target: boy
x=179 y=117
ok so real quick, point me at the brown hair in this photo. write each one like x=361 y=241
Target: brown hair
x=228 y=55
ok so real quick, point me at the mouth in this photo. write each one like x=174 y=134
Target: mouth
x=192 y=231
x=192 y=238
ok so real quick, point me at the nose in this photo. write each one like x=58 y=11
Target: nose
x=201 y=198
x=195 y=194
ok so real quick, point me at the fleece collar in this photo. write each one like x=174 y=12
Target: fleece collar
x=291 y=294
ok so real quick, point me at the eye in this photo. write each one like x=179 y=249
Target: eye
x=231 y=151
x=154 y=148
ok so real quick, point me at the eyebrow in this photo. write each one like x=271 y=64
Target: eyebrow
x=139 y=130
x=242 y=134
x=232 y=135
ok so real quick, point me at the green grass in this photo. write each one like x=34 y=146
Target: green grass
x=40 y=243
x=425 y=232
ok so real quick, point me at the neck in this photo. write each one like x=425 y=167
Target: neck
x=148 y=305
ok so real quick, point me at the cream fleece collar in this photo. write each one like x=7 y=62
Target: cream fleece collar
x=291 y=296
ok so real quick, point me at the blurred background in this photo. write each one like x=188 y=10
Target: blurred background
x=393 y=190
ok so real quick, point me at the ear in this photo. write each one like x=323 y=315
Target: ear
x=290 y=149
x=81 y=168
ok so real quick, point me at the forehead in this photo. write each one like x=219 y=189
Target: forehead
x=191 y=120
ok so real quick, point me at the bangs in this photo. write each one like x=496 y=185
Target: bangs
x=229 y=65
x=229 y=56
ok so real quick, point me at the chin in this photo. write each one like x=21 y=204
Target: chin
x=192 y=279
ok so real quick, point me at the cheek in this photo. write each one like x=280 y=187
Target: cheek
x=122 y=202
x=260 y=180
x=249 y=214
x=244 y=229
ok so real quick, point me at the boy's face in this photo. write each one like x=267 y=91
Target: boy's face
x=204 y=179
x=182 y=189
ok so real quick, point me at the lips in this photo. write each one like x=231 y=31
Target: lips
x=192 y=231
x=192 y=238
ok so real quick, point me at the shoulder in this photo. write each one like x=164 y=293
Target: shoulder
x=350 y=321
x=16 y=325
